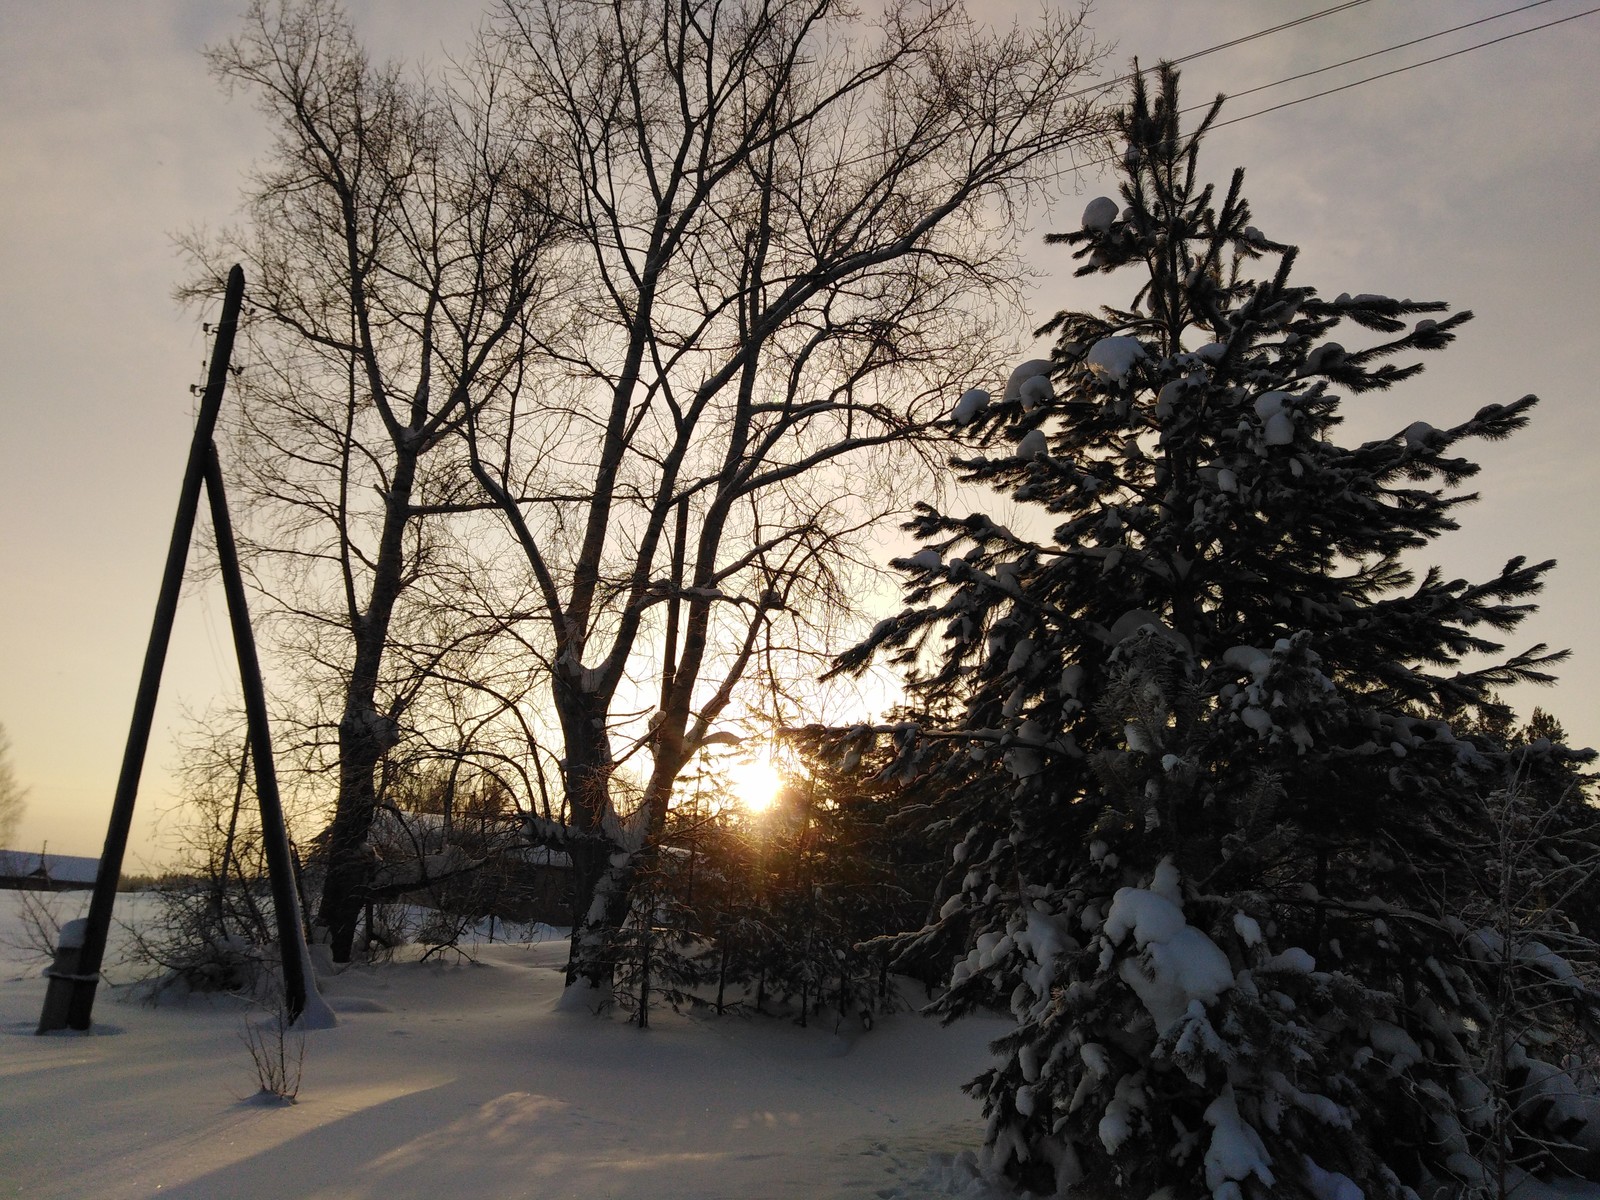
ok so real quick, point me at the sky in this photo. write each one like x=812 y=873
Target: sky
x=1471 y=180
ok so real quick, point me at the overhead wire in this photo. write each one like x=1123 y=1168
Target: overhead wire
x=1588 y=12
x=1417 y=41
x=1333 y=66
x=1261 y=33
x=1227 y=45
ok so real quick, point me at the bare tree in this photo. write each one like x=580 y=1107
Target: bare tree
x=1539 y=857
x=213 y=922
x=695 y=280
x=394 y=246
x=13 y=796
x=787 y=240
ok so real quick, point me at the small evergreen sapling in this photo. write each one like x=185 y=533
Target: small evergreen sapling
x=1211 y=827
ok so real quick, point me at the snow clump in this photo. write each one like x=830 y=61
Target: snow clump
x=1236 y=1151
x=972 y=402
x=1036 y=391
x=1112 y=358
x=1030 y=370
x=1180 y=964
x=1417 y=435
x=1330 y=1185
x=1277 y=426
x=1099 y=214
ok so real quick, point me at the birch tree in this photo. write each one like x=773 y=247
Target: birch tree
x=679 y=292
x=787 y=234
x=394 y=245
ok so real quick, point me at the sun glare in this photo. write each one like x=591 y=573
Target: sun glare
x=755 y=784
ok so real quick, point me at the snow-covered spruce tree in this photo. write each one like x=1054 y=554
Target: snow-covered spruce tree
x=1209 y=821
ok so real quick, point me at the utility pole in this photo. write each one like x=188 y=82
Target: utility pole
x=69 y=996
x=299 y=983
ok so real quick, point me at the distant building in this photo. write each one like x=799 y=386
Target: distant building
x=482 y=866
x=20 y=869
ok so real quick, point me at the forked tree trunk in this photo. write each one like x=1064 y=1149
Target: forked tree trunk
x=604 y=868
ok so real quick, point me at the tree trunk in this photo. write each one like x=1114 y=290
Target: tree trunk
x=599 y=904
x=604 y=869
x=344 y=890
x=365 y=734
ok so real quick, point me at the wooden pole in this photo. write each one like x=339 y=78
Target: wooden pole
x=274 y=833
x=69 y=996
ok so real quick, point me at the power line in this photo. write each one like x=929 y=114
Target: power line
x=1385 y=50
x=1401 y=70
x=1261 y=33
x=1360 y=57
x=1228 y=45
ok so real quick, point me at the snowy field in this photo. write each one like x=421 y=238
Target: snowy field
x=463 y=1080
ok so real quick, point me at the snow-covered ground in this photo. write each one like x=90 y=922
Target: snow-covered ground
x=464 y=1080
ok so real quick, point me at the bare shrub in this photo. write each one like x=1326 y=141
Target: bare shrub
x=213 y=928
x=194 y=941
x=277 y=1051
x=38 y=927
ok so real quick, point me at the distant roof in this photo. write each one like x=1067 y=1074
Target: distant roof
x=63 y=868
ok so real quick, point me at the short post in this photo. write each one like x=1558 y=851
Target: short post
x=64 y=971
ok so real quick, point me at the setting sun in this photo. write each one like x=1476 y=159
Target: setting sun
x=756 y=784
